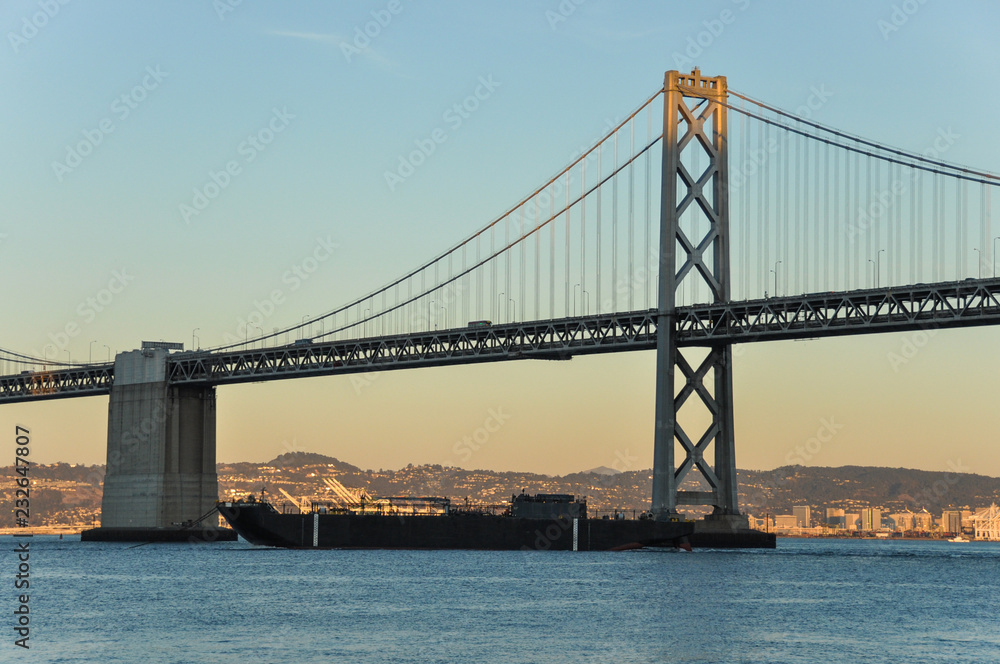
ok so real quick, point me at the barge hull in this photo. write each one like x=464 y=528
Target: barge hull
x=259 y=523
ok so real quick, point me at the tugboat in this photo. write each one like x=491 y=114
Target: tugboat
x=557 y=522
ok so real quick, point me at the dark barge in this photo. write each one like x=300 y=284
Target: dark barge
x=542 y=522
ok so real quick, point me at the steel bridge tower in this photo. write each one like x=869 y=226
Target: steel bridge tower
x=694 y=244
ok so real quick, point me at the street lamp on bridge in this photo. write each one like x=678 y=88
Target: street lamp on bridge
x=193 y=337
x=775 y=273
x=90 y=351
x=979 y=260
x=873 y=271
x=109 y=351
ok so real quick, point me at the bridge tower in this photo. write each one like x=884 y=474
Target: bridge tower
x=694 y=244
x=161 y=451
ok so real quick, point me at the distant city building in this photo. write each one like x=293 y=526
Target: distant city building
x=903 y=521
x=835 y=517
x=871 y=519
x=967 y=517
x=785 y=521
x=852 y=521
x=951 y=521
x=802 y=516
x=924 y=521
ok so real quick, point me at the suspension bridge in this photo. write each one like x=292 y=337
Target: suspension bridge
x=682 y=230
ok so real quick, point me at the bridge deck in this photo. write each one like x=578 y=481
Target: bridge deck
x=891 y=309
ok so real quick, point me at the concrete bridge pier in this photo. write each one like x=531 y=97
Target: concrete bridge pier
x=161 y=455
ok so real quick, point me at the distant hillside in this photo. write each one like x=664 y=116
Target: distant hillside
x=895 y=489
x=65 y=494
x=298 y=459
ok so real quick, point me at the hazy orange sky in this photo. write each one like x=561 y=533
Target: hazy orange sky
x=63 y=235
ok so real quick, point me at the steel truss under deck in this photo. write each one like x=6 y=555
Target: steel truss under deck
x=921 y=307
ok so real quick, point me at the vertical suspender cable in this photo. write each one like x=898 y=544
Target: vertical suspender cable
x=879 y=210
x=552 y=254
x=744 y=234
x=583 y=233
x=783 y=201
x=988 y=206
x=568 y=279
x=914 y=225
x=797 y=173
x=538 y=277
x=835 y=230
x=765 y=253
x=921 y=226
x=504 y=307
x=935 y=243
x=597 y=251
x=817 y=207
x=650 y=294
x=962 y=253
x=902 y=230
x=761 y=284
x=985 y=250
x=806 y=220
x=869 y=224
x=521 y=248
x=631 y=215
x=493 y=277
x=614 y=238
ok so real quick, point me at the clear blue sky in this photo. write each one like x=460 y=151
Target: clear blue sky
x=197 y=81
